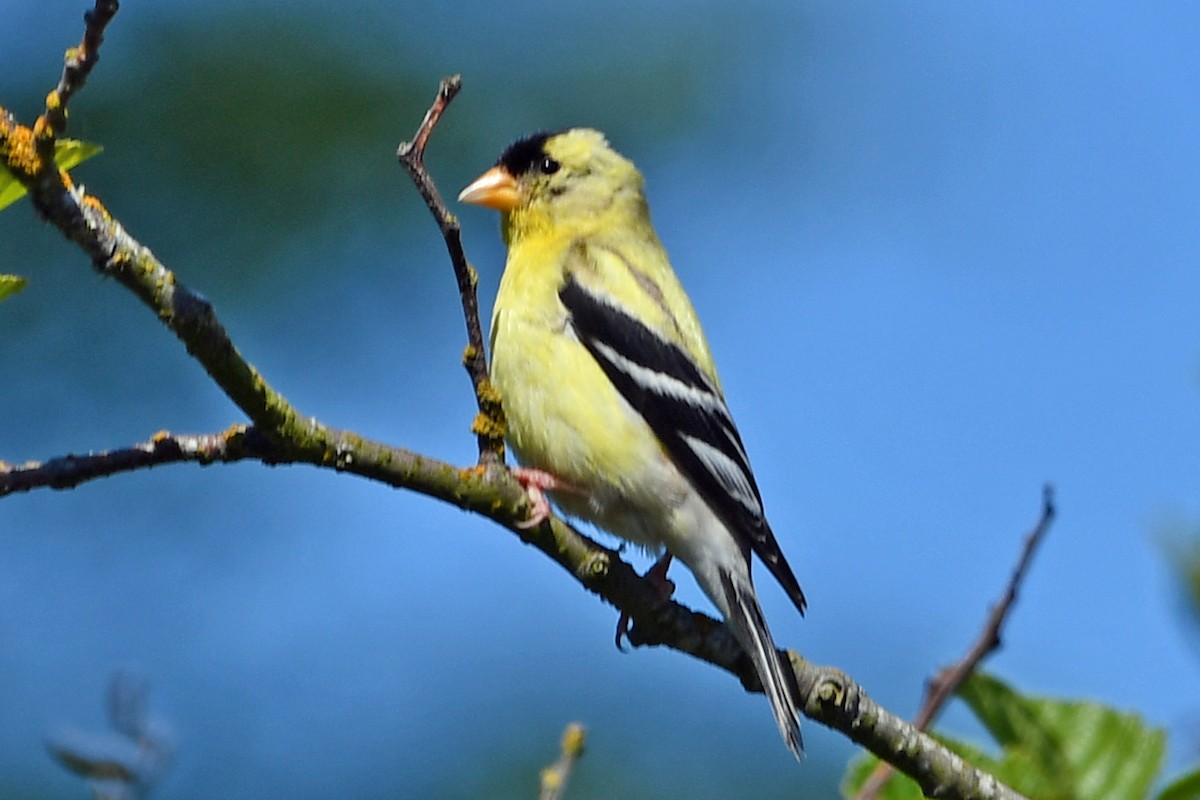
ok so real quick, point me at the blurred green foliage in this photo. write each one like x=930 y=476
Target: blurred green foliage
x=1050 y=749
x=263 y=131
x=253 y=148
x=10 y=285
x=1183 y=557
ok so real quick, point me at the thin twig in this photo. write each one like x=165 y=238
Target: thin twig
x=28 y=152
x=77 y=66
x=947 y=681
x=943 y=685
x=489 y=424
x=555 y=777
x=66 y=472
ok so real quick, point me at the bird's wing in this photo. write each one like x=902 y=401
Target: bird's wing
x=685 y=410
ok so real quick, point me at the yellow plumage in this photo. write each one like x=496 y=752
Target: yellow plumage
x=608 y=384
x=564 y=416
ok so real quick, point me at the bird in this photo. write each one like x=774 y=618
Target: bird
x=611 y=398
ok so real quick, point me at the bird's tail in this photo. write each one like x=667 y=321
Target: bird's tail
x=745 y=618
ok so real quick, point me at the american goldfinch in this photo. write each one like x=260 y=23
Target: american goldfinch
x=610 y=392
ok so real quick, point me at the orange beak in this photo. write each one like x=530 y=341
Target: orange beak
x=495 y=188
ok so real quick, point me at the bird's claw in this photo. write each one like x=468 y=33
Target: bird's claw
x=657 y=576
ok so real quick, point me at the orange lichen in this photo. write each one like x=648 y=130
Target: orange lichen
x=19 y=153
x=488 y=394
x=93 y=202
x=235 y=430
x=42 y=128
x=485 y=425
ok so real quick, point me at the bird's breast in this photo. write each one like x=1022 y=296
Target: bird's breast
x=564 y=416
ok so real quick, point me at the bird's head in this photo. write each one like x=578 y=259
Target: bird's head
x=568 y=180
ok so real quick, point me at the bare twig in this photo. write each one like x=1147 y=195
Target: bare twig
x=66 y=472
x=489 y=424
x=554 y=778
x=77 y=66
x=947 y=681
x=943 y=685
x=29 y=152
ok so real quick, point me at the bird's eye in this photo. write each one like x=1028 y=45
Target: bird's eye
x=549 y=166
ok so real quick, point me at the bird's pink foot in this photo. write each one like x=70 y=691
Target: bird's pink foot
x=656 y=575
x=537 y=482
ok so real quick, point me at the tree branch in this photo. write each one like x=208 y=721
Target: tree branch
x=943 y=685
x=77 y=66
x=489 y=424
x=280 y=434
x=29 y=152
x=946 y=682
x=66 y=472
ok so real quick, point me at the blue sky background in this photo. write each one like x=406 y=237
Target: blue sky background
x=944 y=253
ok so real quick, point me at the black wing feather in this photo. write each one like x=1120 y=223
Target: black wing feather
x=687 y=413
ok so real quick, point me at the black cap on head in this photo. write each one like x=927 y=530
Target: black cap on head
x=524 y=154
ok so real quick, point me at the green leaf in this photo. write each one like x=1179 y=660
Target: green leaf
x=1050 y=750
x=11 y=189
x=1066 y=749
x=10 y=285
x=1184 y=788
x=68 y=153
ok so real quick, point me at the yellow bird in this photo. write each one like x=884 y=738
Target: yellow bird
x=611 y=395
